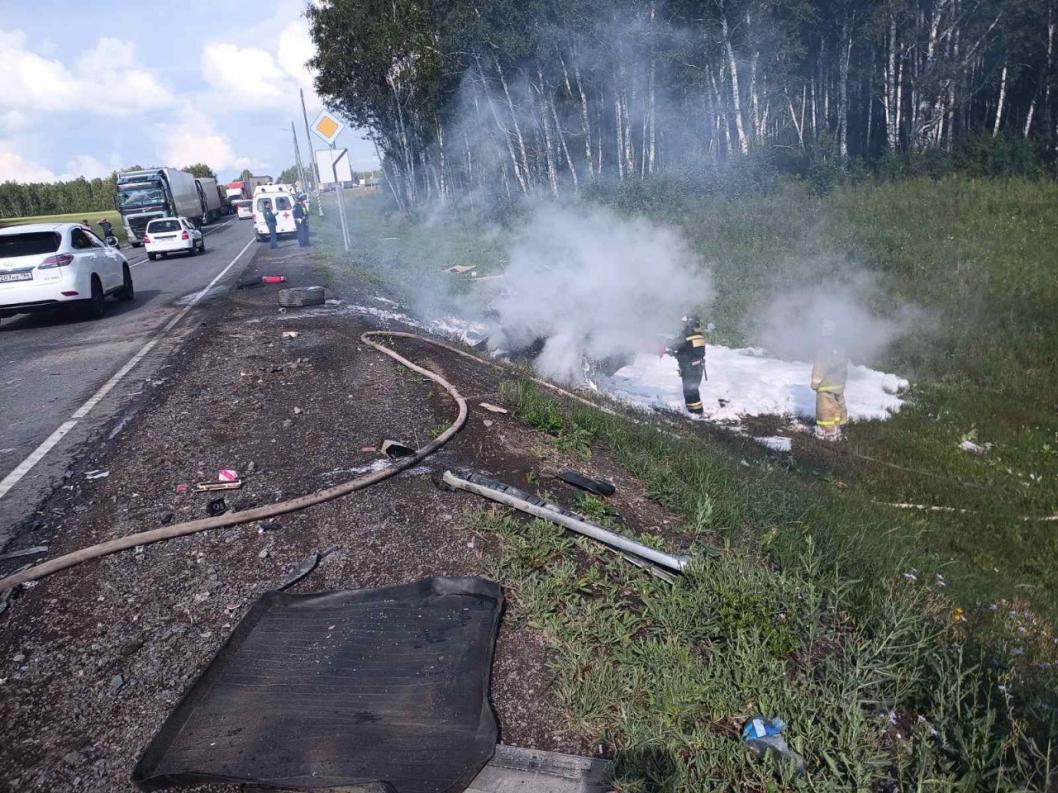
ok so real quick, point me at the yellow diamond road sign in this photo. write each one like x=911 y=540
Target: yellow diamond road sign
x=327 y=126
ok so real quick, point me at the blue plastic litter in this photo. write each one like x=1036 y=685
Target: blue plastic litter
x=764 y=737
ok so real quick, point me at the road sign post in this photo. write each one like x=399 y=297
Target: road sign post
x=327 y=127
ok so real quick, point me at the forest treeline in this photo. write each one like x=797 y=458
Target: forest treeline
x=56 y=198
x=28 y=199
x=538 y=96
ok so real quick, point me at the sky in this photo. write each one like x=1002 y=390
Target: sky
x=90 y=89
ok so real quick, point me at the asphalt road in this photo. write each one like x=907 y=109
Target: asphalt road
x=55 y=369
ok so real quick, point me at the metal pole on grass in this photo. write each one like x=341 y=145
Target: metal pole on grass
x=340 y=196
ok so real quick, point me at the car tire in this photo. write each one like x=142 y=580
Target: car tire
x=152 y=256
x=127 y=291
x=95 y=307
x=164 y=255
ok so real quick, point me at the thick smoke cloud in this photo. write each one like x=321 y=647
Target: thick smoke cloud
x=597 y=285
x=793 y=324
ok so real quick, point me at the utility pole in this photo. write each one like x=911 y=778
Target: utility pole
x=297 y=159
x=308 y=137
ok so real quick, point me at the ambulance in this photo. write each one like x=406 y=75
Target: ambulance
x=281 y=197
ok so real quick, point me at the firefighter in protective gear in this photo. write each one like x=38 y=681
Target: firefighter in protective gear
x=829 y=373
x=689 y=350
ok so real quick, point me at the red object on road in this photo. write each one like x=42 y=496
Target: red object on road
x=273 y=279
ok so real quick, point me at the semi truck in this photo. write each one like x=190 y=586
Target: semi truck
x=243 y=188
x=212 y=206
x=153 y=193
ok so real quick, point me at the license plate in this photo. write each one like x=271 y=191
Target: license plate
x=6 y=277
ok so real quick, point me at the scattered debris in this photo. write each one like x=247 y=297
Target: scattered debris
x=217 y=506
x=974 y=448
x=459 y=269
x=368 y=448
x=182 y=487
x=290 y=334
x=208 y=487
x=227 y=475
x=116 y=682
x=308 y=564
x=777 y=443
x=298 y=411
x=24 y=552
x=302 y=296
x=97 y=474
x=487 y=422
x=492 y=408
x=531 y=505
x=599 y=487
x=515 y=769
x=764 y=737
x=273 y=279
x=395 y=450
x=653 y=569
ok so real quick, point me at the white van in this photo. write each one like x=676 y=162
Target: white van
x=281 y=198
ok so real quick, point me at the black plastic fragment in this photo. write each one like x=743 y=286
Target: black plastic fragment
x=217 y=506
x=599 y=487
x=395 y=450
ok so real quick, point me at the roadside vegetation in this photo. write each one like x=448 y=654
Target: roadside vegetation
x=92 y=217
x=791 y=608
x=914 y=645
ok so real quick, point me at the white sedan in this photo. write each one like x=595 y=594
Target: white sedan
x=172 y=235
x=49 y=265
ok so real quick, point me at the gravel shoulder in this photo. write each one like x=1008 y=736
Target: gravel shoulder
x=93 y=659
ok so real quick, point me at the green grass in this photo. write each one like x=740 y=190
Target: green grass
x=809 y=598
x=75 y=217
x=977 y=256
x=791 y=608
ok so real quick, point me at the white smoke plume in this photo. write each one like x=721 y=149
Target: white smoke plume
x=849 y=301
x=595 y=285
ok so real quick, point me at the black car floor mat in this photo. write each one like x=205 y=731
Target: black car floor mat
x=342 y=689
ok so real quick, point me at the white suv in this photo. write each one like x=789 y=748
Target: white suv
x=172 y=235
x=48 y=265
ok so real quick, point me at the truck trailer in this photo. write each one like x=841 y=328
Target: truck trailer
x=153 y=193
x=212 y=207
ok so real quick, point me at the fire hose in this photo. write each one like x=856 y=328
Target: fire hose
x=261 y=513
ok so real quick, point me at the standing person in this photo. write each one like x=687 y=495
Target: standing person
x=270 y=221
x=689 y=349
x=829 y=372
x=301 y=218
x=107 y=228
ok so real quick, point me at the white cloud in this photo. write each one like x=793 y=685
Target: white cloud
x=252 y=77
x=194 y=139
x=295 y=51
x=13 y=168
x=87 y=166
x=13 y=121
x=105 y=80
x=246 y=76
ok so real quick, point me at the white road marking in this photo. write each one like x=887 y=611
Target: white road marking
x=38 y=454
